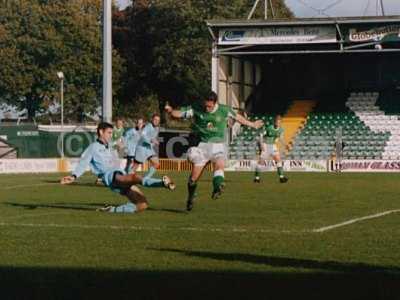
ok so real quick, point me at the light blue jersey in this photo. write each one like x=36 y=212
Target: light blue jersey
x=145 y=148
x=105 y=164
x=131 y=139
x=100 y=157
x=149 y=134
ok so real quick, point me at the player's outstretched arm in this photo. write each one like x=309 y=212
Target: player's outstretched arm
x=80 y=168
x=177 y=114
x=242 y=120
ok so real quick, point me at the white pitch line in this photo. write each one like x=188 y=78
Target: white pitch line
x=146 y=228
x=25 y=185
x=195 y=229
x=34 y=215
x=352 y=221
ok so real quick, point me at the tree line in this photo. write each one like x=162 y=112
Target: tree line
x=161 y=51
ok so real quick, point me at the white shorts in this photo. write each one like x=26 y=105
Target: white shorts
x=206 y=152
x=270 y=150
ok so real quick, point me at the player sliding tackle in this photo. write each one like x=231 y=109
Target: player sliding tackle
x=105 y=165
x=210 y=122
x=269 y=149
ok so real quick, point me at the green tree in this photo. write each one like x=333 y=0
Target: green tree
x=39 y=38
x=167 y=46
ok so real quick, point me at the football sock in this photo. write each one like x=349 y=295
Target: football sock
x=150 y=172
x=192 y=186
x=128 y=167
x=128 y=208
x=280 y=169
x=152 y=182
x=218 y=179
x=258 y=171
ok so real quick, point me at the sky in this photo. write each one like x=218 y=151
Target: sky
x=301 y=8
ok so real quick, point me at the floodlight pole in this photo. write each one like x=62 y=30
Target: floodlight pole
x=107 y=61
x=266 y=9
x=382 y=8
x=214 y=68
x=62 y=115
x=60 y=76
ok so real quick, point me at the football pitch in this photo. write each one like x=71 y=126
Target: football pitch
x=320 y=236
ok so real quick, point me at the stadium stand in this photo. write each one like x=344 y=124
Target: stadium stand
x=387 y=123
x=357 y=123
x=295 y=118
x=244 y=145
x=368 y=123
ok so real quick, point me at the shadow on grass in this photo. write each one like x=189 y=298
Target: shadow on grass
x=76 y=183
x=175 y=211
x=288 y=262
x=84 y=283
x=210 y=180
x=51 y=181
x=55 y=206
x=84 y=206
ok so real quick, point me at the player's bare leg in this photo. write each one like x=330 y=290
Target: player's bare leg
x=279 y=165
x=136 y=196
x=197 y=171
x=126 y=181
x=137 y=200
x=218 y=179
x=260 y=161
x=257 y=174
x=136 y=166
x=154 y=165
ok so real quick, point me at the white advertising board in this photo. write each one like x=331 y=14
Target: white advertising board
x=370 y=166
x=9 y=166
x=288 y=165
x=278 y=35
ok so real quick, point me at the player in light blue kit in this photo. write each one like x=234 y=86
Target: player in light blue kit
x=131 y=139
x=104 y=164
x=145 y=150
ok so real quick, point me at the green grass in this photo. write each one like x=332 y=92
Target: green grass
x=253 y=243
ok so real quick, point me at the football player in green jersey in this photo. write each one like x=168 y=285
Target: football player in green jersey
x=210 y=122
x=269 y=149
x=118 y=133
